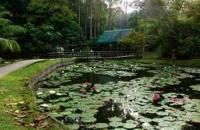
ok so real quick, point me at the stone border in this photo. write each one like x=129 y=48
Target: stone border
x=38 y=77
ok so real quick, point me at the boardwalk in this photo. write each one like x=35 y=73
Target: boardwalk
x=12 y=67
x=96 y=54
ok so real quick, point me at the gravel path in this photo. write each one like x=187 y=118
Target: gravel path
x=15 y=66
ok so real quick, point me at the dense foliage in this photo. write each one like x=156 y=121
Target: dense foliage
x=48 y=24
x=9 y=32
x=65 y=23
x=170 y=27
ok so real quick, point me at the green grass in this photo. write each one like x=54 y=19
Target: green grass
x=13 y=90
x=188 y=63
x=181 y=63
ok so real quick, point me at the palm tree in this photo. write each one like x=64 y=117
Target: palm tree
x=11 y=45
x=8 y=31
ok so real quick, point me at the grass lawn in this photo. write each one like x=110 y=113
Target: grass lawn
x=14 y=94
x=181 y=63
x=188 y=63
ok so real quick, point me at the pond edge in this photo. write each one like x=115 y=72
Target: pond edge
x=32 y=83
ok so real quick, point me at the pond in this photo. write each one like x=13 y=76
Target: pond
x=122 y=95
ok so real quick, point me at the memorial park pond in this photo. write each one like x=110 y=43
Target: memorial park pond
x=119 y=95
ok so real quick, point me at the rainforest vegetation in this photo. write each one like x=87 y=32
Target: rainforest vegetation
x=32 y=28
x=113 y=85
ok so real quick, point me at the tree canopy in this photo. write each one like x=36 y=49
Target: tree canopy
x=170 y=27
x=9 y=32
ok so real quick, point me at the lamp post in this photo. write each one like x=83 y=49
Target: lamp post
x=60 y=51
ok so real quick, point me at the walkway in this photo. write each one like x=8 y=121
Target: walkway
x=15 y=66
x=95 y=54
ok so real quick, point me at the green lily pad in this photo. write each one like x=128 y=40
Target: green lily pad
x=119 y=129
x=101 y=125
x=55 y=115
x=145 y=120
x=73 y=116
x=157 y=120
x=115 y=119
x=73 y=127
x=129 y=125
x=162 y=113
x=40 y=101
x=130 y=121
x=89 y=120
x=66 y=113
x=196 y=87
x=115 y=124
x=146 y=126
x=176 y=127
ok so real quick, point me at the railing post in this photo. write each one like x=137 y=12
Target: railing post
x=96 y=54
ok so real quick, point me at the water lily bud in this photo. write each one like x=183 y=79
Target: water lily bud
x=58 y=94
x=44 y=105
x=39 y=93
x=146 y=126
x=52 y=92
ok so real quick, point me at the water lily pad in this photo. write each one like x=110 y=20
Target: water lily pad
x=145 y=120
x=115 y=119
x=169 y=118
x=162 y=113
x=146 y=126
x=55 y=115
x=73 y=116
x=60 y=95
x=73 y=127
x=40 y=101
x=129 y=125
x=194 y=117
x=87 y=115
x=115 y=124
x=66 y=113
x=119 y=129
x=175 y=127
x=157 y=120
x=89 y=120
x=101 y=125
x=130 y=121
x=196 y=87
x=165 y=124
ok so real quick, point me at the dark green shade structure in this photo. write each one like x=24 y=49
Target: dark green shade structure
x=113 y=36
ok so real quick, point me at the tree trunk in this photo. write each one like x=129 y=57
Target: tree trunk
x=173 y=54
x=79 y=12
x=91 y=21
x=86 y=18
x=98 y=18
x=109 y=15
x=143 y=51
x=95 y=19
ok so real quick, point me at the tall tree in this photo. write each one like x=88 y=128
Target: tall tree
x=52 y=24
x=111 y=4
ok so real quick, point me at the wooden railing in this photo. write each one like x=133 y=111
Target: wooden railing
x=94 y=54
x=38 y=77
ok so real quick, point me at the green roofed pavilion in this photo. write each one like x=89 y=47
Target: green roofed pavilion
x=111 y=37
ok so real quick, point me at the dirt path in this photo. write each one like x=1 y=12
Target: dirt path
x=15 y=66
